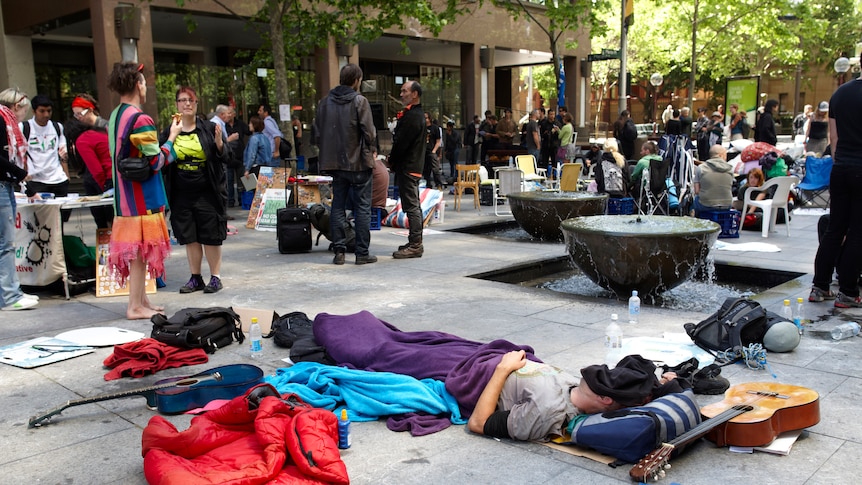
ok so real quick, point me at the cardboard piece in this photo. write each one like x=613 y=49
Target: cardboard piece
x=264 y=318
x=584 y=452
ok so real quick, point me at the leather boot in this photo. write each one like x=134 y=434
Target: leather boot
x=410 y=251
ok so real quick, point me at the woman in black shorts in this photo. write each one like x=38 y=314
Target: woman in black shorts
x=197 y=192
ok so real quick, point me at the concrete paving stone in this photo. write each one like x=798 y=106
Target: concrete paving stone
x=100 y=443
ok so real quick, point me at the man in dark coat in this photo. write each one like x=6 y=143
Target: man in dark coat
x=407 y=160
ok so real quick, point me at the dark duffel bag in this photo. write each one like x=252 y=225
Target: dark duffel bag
x=293 y=230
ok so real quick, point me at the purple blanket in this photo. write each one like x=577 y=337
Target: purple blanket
x=362 y=341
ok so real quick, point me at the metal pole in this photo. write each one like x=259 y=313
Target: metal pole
x=623 y=81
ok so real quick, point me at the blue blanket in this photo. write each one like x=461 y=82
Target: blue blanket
x=366 y=395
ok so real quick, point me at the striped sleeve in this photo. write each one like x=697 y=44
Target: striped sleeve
x=146 y=139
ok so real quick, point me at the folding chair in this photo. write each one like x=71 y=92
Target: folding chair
x=569 y=175
x=654 y=188
x=527 y=165
x=813 y=191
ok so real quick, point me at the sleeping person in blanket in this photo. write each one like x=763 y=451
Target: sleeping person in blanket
x=527 y=400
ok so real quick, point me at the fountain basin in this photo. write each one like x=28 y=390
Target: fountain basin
x=651 y=254
x=540 y=212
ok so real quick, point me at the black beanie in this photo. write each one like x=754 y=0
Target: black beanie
x=630 y=383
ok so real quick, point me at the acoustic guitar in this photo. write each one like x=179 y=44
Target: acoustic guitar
x=178 y=394
x=751 y=414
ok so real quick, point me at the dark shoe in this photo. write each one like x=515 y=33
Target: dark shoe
x=366 y=259
x=411 y=251
x=817 y=295
x=196 y=283
x=231 y=218
x=338 y=259
x=844 y=301
x=214 y=286
x=230 y=204
x=403 y=246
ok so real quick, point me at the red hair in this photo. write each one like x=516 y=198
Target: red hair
x=186 y=89
x=757 y=173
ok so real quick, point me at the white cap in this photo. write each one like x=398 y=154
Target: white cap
x=634 y=292
x=614 y=316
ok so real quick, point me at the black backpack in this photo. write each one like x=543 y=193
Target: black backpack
x=198 y=328
x=738 y=323
x=320 y=217
x=295 y=331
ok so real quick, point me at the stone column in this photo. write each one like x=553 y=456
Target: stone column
x=471 y=86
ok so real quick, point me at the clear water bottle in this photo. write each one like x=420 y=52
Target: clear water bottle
x=787 y=311
x=799 y=315
x=613 y=341
x=634 y=307
x=254 y=339
x=845 y=330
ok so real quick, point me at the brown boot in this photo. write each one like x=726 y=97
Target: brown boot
x=410 y=251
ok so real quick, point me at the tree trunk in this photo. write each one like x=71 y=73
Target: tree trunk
x=276 y=32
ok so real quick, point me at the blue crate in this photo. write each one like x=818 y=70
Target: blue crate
x=622 y=206
x=376 y=218
x=729 y=220
x=247 y=199
x=393 y=192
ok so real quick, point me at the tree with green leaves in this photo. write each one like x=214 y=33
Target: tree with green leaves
x=559 y=20
x=295 y=28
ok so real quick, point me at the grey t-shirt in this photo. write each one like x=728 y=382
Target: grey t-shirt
x=537 y=398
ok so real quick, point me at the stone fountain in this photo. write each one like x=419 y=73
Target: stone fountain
x=540 y=212
x=651 y=254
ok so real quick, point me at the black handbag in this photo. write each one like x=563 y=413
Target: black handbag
x=198 y=328
x=136 y=169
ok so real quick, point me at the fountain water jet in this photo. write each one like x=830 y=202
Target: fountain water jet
x=540 y=212
x=651 y=254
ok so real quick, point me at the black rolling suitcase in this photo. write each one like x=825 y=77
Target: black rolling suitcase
x=293 y=229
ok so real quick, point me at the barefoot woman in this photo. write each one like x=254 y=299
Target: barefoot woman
x=139 y=237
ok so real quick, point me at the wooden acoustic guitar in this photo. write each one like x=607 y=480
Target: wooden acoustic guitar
x=178 y=394
x=751 y=414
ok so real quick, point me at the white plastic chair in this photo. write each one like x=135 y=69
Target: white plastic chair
x=509 y=181
x=770 y=206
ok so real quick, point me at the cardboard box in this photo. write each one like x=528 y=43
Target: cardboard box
x=264 y=318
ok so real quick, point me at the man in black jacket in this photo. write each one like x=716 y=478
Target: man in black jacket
x=407 y=160
x=345 y=133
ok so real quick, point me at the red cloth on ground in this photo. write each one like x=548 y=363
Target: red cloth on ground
x=148 y=356
x=277 y=443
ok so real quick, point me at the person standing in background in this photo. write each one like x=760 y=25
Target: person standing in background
x=46 y=148
x=344 y=131
x=13 y=171
x=237 y=133
x=451 y=146
x=406 y=160
x=472 y=140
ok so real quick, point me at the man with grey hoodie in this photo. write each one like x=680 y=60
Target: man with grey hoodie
x=713 y=182
x=345 y=134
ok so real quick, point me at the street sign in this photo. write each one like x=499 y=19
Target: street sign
x=607 y=54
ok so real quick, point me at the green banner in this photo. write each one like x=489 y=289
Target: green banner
x=744 y=92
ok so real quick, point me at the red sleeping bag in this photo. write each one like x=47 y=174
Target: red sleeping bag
x=255 y=438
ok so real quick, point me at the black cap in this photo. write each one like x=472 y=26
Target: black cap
x=630 y=383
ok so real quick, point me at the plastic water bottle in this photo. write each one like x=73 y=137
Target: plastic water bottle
x=634 y=307
x=613 y=341
x=799 y=315
x=787 y=311
x=845 y=330
x=344 y=430
x=254 y=339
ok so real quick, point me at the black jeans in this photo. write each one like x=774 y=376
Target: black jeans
x=845 y=221
x=351 y=189
x=408 y=190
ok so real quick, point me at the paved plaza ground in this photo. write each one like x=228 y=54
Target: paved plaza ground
x=101 y=443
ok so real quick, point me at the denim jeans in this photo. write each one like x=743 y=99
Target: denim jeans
x=234 y=185
x=408 y=190
x=10 y=289
x=351 y=189
x=845 y=220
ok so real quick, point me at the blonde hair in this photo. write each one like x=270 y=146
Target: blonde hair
x=611 y=145
x=13 y=97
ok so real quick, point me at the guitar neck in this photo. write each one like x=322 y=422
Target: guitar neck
x=147 y=392
x=707 y=425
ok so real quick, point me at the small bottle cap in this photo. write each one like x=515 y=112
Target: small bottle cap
x=799 y=300
x=344 y=415
x=786 y=302
x=634 y=292
x=253 y=319
x=614 y=316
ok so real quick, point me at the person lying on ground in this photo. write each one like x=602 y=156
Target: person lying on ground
x=526 y=400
